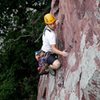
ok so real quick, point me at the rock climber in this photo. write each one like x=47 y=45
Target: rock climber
x=49 y=43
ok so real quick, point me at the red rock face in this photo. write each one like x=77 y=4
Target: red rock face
x=79 y=33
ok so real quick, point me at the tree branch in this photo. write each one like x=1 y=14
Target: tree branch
x=41 y=15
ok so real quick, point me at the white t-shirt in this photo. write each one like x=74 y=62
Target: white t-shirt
x=48 y=38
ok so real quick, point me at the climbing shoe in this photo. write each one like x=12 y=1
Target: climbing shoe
x=52 y=71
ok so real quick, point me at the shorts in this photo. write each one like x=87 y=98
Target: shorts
x=51 y=58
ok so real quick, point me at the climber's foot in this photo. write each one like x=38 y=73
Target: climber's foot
x=52 y=71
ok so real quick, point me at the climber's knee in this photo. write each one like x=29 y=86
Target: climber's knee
x=56 y=64
x=53 y=61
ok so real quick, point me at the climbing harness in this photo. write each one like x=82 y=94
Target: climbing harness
x=43 y=66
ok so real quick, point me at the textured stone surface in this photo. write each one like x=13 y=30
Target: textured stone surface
x=79 y=33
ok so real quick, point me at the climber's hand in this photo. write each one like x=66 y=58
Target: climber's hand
x=64 y=53
x=57 y=22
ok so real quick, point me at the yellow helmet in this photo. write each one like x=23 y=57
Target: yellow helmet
x=49 y=18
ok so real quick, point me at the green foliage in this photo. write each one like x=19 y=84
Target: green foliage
x=21 y=23
x=6 y=89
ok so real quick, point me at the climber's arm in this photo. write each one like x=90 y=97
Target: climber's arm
x=57 y=51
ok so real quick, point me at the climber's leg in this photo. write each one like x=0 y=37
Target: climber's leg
x=56 y=64
x=44 y=70
x=53 y=60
